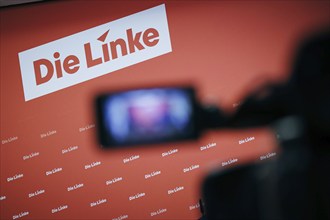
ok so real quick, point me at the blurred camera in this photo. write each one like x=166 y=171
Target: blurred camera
x=147 y=115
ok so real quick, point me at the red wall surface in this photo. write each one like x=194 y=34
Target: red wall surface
x=224 y=48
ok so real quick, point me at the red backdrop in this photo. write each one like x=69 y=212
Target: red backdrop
x=224 y=48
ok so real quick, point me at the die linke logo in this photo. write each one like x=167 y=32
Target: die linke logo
x=94 y=52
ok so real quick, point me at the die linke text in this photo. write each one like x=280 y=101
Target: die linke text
x=45 y=69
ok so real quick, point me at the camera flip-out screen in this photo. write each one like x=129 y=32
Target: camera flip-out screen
x=143 y=116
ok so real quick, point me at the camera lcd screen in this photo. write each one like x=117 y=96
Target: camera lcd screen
x=144 y=116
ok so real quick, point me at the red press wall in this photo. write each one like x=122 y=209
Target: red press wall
x=225 y=48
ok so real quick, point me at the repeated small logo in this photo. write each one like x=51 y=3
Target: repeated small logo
x=158 y=212
x=98 y=202
x=228 y=162
x=136 y=196
x=170 y=152
x=74 y=187
x=55 y=170
x=86 y=128
x=3 y=198
x=269 y=155
x=175 y=190
x=9 y=140
x=69 y=149
x=152 y=174
x=131 y=158
x=114 y=180
x=195 y=206
x=48 y=134
x=190 y=168
x=15 y=177
x=31 y=155
x=36 y=193
x=59 y=209
x=245 y=140
x=120 y=217
x=20 y=215
x=92 y=165
x=208 y=146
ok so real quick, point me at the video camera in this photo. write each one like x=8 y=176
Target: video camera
x=150 y=115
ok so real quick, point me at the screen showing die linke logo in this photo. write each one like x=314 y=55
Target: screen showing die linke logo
x=94 y=52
